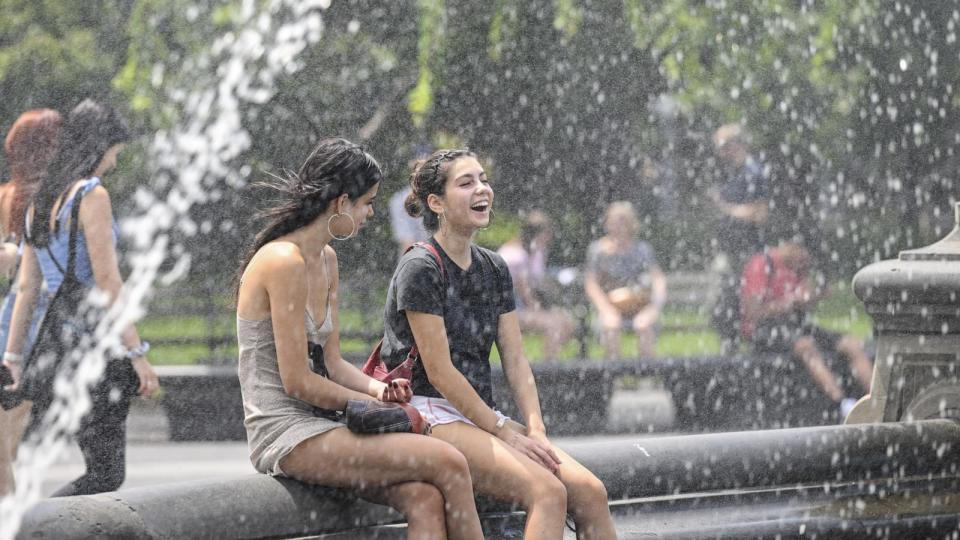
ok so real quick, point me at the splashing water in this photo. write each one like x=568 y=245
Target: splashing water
x=192 y=161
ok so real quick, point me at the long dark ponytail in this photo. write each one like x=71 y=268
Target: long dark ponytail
x=90 y=130
x=335 y=167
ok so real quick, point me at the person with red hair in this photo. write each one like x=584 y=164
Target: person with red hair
x=30 y=145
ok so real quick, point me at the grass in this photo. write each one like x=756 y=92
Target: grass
x=685 y=333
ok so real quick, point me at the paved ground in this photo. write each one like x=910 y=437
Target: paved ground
x=151 y=459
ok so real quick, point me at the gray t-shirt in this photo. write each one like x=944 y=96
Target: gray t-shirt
x=628 y=268
x=470 y=302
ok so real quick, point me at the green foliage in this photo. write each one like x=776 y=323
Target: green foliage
x=566 y=19
x=429 y=46
x=53 y=54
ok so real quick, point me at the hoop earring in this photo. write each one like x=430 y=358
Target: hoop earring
x=353 y=227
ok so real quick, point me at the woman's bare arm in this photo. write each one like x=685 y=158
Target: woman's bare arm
x=341 y=371
x=517 y=369
x=430 y=335
x=29 y=282
x=283 y=276
x=96 y=221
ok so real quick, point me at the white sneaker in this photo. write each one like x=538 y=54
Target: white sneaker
x=846 y=405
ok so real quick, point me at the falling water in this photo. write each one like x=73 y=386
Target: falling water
x=193 y=162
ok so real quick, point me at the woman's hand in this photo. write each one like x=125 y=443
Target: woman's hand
x=535 y=446
x=149 y=384
x=397 y=390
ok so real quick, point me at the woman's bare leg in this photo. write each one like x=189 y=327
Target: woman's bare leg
x=586 y=499
x=501 y=472
x=808 y=352
x=341 y=458
x=611 y=343
x=646 y=342
x=421 y=503
x=860 y=364
x=12 y=425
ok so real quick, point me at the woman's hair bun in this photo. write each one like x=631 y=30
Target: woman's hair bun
x=412 y=204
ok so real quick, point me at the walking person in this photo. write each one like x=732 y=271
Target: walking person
x=453 y=308
x=71 y=240
x=292 y=376
x=29 y=146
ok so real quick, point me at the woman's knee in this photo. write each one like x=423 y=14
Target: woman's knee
x=445 y=459
x=545 y=489
x=586 y=490
x=417 y=499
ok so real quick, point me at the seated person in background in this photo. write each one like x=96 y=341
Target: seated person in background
x=624 y=282
x=526 y=256
x=776 y=300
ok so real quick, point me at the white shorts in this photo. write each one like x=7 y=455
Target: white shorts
x=439 y=411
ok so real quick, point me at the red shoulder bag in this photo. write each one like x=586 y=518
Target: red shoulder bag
x=375 y=366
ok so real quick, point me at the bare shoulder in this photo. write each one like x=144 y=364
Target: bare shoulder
x=278 y=259
x=331 y=261
x=95 y=201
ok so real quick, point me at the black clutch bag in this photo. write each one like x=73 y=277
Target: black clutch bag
x=365 y=416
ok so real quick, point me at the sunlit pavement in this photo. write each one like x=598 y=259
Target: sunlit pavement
x=151 y=459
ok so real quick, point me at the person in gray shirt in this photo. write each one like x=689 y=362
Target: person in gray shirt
x=624 y=283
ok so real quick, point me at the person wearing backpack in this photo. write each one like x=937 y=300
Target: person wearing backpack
x=71 y=245
x=453 y=307
x=293 y=379
x=30 y=145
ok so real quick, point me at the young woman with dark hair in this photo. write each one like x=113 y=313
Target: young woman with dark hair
x=454 y=314
x=30 y=145
x=71 y=214
x=293 y=377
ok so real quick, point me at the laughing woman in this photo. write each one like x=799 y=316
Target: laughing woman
x=287 y=300
x=454 y=309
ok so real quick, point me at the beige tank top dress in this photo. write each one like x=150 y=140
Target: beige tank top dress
x=275 y=421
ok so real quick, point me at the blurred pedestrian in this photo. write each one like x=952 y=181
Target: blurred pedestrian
x=30 y=145
x=71 y=240
x=453 y=305
x=743 y=202
x=405 y=228
x=624 y=282
x=777 y=300
x=526 y=257
x=292 y=376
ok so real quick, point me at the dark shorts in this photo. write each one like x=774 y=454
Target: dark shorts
x=779 y=335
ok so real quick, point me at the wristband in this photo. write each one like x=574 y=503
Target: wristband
x=12 y=358
x=502 y=421
x=138 y=351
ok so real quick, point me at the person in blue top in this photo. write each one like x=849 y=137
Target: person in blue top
x=73 y=197
x=454 y=308
x=30 y=145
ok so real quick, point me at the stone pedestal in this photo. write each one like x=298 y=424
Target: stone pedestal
x=915 y=305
